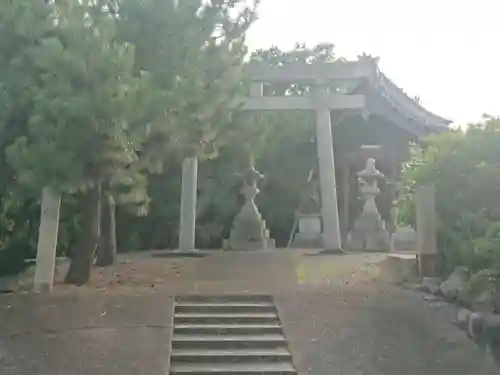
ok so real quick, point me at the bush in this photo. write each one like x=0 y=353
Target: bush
x=464 y=167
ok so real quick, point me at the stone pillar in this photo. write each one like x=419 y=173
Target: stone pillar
x=187 y=224
x=326 y=161
x=47 y=241
x=426 y=231
x=256 y=89
x=392 y=186
x=346 y=190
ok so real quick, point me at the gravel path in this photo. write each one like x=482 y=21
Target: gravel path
x=372 y=331
x=92 y=333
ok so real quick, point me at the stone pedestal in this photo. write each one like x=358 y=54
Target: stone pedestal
x=47 y=241
x=369 y=233
x=249 y=230
x=309 y=232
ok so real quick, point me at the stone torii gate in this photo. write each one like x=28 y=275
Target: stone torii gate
x=326 y=81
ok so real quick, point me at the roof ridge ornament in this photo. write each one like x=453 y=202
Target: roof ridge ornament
x=369 y=58
x=372 y=63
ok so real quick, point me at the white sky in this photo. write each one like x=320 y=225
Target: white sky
x=445 y=51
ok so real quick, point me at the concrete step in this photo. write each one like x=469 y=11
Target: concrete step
x=225 y=307
x=183 y=341
x=234 y=368
x=226 y=318
x=228 y=329
x=228 y=298
x=228 y=334
x=230 y=355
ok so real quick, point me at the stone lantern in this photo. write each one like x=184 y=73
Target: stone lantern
x=249 y=229
x=369 y=231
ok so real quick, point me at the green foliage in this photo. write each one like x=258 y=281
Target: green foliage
x=464 y=166
x=84 y=97
x=18 y=234
x=194 y=53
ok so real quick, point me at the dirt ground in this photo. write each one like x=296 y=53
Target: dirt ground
x=338 y=314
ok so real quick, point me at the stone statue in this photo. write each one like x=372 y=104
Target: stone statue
x=248 y=231
x=369 y=231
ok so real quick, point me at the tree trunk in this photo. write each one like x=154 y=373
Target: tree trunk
x=106 y=254
x=83 y=256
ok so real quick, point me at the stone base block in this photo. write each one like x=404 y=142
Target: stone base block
x=248 y=245
x=265 y=244
x=304 y=241
x=400 y=268
x=181 y=254
x=404 y=240
x=42 y=288
x=271 y=244
x=368 y=240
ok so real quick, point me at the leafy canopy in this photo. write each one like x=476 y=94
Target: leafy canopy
x=84 y=96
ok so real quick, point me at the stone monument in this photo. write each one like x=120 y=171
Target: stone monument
x=425 y=201
x=369 y=231
x=249 y=230
x=308 y=217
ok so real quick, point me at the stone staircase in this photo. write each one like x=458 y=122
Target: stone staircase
x=228 y=335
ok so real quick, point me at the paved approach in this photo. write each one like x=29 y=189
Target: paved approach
x=339 y=319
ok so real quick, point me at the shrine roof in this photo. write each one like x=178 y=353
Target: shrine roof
x=361 y=76
x=388 y=100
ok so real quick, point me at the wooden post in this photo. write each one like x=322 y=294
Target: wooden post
x=426 y=231
x=47 y=241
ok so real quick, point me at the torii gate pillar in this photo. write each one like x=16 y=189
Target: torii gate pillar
x=326 y=161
